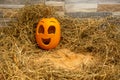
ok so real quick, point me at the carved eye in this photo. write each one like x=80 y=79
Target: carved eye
x=41 y=29
x=51 y=30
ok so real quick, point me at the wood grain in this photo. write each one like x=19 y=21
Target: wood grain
x=81 y=7
x=108 y=1
x=109 y=7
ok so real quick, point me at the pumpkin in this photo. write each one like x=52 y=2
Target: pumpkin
x=48 y=33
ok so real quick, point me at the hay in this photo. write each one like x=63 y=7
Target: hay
x=100 y=37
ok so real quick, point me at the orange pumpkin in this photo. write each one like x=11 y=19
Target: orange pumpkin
x=48 y=33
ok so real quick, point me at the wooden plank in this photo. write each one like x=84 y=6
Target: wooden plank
x=19 y=2
x=81 y=7
x=55 y=0
x=11 y=6
x=116 y=13
x=10 y=1
x=109 y=7
x=55 y=3
x=34 y=2
x=108 y=1
x=89 y=14
x=80 y=1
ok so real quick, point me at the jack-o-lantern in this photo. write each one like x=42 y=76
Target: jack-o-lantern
x=48 y=33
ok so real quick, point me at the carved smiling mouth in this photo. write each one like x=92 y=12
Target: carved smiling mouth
x=46 y=41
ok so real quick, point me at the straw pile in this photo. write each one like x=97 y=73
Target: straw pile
x=100 y=37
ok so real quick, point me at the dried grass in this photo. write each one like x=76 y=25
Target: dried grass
x=100 y=37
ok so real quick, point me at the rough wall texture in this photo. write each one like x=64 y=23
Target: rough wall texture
x=75 y=8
